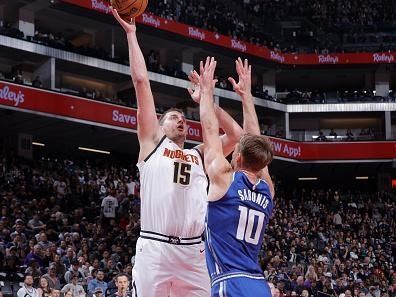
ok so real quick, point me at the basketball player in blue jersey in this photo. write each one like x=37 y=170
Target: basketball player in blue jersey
x=170 y=255
x=240 y=195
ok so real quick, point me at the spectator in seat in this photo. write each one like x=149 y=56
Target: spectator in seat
x=27 y=289
x=69 y=257
x=349 y=135
x=44 y=243
x=321 y=137
x=35 y=224
x=35 y=254
x=333 y=133
x=122 y=284
x=11 y=260
x=37 y=82
x=19 y=230
x=44 y=290
x=60 y=268
x=52 y=278
x=76 y=289
x=18 y=77
x=97 y=282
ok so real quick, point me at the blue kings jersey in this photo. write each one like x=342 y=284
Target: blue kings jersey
x=235 y=227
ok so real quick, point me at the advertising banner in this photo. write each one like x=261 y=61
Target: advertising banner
x=25 y=98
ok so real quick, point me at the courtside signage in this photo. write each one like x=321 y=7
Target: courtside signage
x=23 y=98
x=148 y=19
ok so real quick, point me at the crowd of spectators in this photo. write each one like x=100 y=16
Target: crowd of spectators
x=342 y=96
x=73 y=224
x=364 y=134
x=73 y=227
x=331 y=243
x=254 y=20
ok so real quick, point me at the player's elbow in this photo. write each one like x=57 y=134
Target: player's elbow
x=139 y=79
x=236 y=134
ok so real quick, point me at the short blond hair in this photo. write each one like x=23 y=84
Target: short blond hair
x=256 y=151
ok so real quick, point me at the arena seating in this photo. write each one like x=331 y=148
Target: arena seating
x=319 y=240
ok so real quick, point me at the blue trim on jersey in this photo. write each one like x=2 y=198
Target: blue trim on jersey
x=225 y=276
x=241 y=287
x=217 y=262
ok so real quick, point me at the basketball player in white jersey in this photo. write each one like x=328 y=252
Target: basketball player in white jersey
x=170 y=255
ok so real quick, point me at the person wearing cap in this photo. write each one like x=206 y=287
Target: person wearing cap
x=98 y=292
x=78 y=290
x=97 y=282
x=19 y=222
x=19 y=228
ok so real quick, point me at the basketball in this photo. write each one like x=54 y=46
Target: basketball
x=128 y=9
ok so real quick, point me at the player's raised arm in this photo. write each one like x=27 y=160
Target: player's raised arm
x=250 y=121
x=149 y=132
x=244 y=89
x=232 y=130
x=217 y=167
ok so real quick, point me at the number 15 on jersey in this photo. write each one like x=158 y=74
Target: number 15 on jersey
x=182 y=173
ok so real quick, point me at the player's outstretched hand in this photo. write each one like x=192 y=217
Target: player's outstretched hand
x=195 y=90
x=128 y=27
x=244 y=86
x=206 y=77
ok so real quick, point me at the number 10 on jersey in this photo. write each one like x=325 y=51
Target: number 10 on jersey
x=247 y=218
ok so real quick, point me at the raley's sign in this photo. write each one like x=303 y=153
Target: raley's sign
x=52 y=103
x=148 y=19
x=70 y=107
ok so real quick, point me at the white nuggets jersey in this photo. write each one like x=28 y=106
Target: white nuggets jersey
x=173 y=193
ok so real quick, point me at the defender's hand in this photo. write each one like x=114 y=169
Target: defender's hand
x=195 y=90
x=244 y=86
x=206 y=78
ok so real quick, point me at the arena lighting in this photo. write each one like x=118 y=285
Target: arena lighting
x=81 y=148
x=38 y=143
x=361 y=177
x=307 y=178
